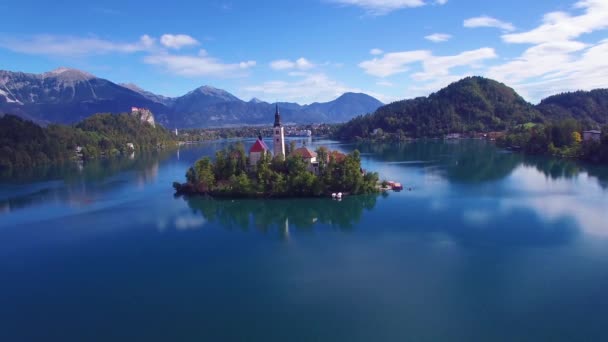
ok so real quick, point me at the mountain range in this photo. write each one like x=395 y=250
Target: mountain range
x=477 y=104
x=68 y=95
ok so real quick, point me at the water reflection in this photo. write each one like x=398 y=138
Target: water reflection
x=266 y=215
x=474 y=161
x=76 y=184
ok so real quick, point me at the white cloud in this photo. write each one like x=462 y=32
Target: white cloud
x=438 y=37
x=556 y=62
x=560 y=26
x=485 y=21
x=194 y=66
x=177 y=41
x=433 y=66
x=315 y=87
x=70 y=46
x=393 y=63
x=286 y=64
x=381 y=7
x=376 y=52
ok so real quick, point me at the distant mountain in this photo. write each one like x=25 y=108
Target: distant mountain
x=167 y=101
x=343 y=108
x=67 y=95
x=590 y=107
x=471 y=104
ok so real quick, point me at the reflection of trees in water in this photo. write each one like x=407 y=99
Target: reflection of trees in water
x=92 y=170
x=477 y=161
x=458 y=161
x=80 y=186
x=556 y=168
x=301 y=213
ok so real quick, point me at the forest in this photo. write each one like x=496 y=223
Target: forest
x=561 y=138
x=24 y=144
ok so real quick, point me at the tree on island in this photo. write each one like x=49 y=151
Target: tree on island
x=230 y=175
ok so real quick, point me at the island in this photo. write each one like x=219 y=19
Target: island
x=287 y=171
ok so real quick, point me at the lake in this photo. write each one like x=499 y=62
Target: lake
x=486 y=246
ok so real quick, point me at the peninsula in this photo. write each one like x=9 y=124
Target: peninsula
x=287 y=171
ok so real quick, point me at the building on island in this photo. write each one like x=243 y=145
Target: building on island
x=278 y=135
x=593 y=135
x=257 y=150
x=309 y=156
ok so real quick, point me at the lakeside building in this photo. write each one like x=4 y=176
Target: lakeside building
x=592 y=135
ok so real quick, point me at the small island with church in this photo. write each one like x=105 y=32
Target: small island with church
x=282 y=172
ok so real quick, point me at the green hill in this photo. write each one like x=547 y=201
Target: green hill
x=473 y=104
x=588 y=107
x=24 y=144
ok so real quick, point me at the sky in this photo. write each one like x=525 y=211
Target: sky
x=314 y=50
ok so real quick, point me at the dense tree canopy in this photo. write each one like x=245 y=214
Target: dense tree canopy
x=590 y=108
x=561 y=138
x=23 y=144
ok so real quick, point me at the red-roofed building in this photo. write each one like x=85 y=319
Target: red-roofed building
x=256 y=151
x=338 y=156
x=305 y=153
x=310 y=158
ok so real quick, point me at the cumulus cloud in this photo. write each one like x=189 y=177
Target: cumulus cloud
x=555 y=61
x=438 y=37
x=381 y=7
x=376 y=52
x=433 y=66
x=71 y=46
x=177 y=41
x=201 y=65
x=486 y=21
x=286 y=64
x=560 y=26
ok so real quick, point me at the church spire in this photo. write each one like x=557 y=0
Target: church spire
x=278 y=135
x=277 y=117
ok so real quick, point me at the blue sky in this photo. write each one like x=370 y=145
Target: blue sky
x=306 y=51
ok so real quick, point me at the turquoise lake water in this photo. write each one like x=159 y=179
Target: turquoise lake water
x=487 y=246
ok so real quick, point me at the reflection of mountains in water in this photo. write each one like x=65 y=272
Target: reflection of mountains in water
x=301 y=213
x=470 y=161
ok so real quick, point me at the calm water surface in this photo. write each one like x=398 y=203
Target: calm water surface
x=487 y=246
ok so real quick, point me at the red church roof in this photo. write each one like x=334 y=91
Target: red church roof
x=259 y=146
x=304 y=152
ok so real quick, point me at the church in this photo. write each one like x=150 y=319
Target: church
x=278 y=139
x=259 y=148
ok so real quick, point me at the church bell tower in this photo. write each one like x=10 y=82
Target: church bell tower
x=278 y=135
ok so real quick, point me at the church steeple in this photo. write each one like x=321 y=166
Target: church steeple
x=278 y=135
x=277 y=117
